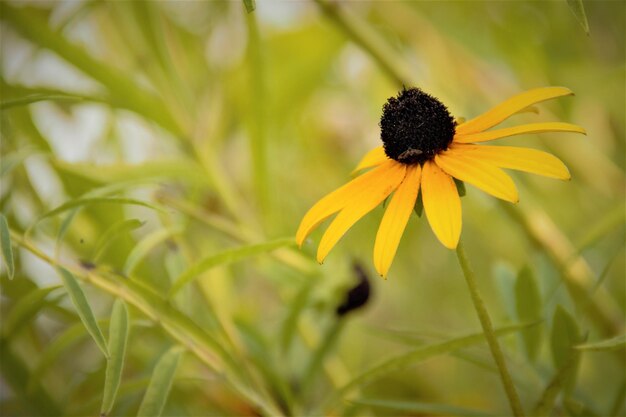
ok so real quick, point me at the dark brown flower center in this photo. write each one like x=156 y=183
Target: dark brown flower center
x=415 y=127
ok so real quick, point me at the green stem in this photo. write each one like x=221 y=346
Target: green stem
x=490 y=335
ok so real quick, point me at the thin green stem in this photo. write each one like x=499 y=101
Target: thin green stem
x=490 y=335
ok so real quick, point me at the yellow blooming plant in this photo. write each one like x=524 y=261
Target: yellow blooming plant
x=425 y=149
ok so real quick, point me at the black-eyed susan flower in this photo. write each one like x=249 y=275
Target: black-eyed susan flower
x=425 y=149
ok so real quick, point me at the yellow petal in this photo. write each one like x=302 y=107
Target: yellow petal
x=521 y=159
x=361 y=203
x=442 y=204
x=509 y=107
x=479 y=173
x=373 y=158
x=395 y=219
x=518 y=130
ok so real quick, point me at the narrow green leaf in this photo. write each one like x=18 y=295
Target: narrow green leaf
x=528 y=305
x=160 y=384
x=421 y=354
x=557 y=383
x=111 y=233
x=296 y=306
x=226 y=257
x=141 y=250
x=418 y=208
x=24 y=310
x=118 y=338
x=416 y=407
x=505 y=277
x=460 y=187
x=83 y=309
x=250 y=5
x=577 y=7
x=85 y=201
x=34 y=98
x=565 y=335
x=7 y=250
x=615 y=343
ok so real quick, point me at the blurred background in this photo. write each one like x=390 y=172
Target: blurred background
x=163 y=154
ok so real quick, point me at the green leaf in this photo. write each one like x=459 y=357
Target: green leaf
x=160 y=384
x=577 y=7
x=25 y=309
x=34 y=98
x=84 y=310
x=118 y=338
x=416 y=407
x=565 y=335
x=226 y=257
x=250 y=5
x=418 y=208
x=505 y=278
x=421 y=354
x=460 y=187
x=85 y=201
x=141 y=250
x=560 y=380
x=7 y=249
x=615 y=343
x=528 y=305
x=111 y=233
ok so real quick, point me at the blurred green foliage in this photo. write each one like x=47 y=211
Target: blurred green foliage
x=156 y=158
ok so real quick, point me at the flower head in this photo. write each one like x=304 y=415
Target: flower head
x=424 y=149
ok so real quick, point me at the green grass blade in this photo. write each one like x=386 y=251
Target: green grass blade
x=84 y=310
x=118 y=228
x=529 y=308
x=417 y=407
x=7 y=249
x=615 y=343
x=118 y=339
x=250 y=5
x=141 y=250
x=565 y=335
x=160 y=384
x=577 y=7
x=421 y=354
x=24 y=310
x=227 y=257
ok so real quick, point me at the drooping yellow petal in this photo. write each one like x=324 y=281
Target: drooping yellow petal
x=338 y=199
x=395 y=219
x=518 y=130
x=509 y=107
x=373 y=158
x=521 y=159
x=479 y=173
x=442 y=204
x=360 y=204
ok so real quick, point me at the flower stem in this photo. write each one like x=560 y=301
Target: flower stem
x=492 y=341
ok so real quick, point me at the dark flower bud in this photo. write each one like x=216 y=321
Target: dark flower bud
x=357 y=296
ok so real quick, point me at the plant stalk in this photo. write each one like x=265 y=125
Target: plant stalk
x=490 y=335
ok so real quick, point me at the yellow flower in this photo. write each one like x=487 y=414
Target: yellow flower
x=423 y=147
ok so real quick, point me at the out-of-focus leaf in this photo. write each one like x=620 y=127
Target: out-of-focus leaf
x=421 y=354
x=528 y=305
x=160 y=384
x=416 y=407
x=577 y=7
x=615 y=343
x=34 y=98
x=560 y=381
x=565 y=335
x=14 y=159
x=186 y=171
x=25 y=309
x=7 y=249
x=111 y=233
x=504 y=276
x=296 y=306
x=84 y=309
x=250 y=5
x=144 y=247
x=50 y=355
x=118 y=338
x=79 y=202
x=227 y=257
x=15 y=373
